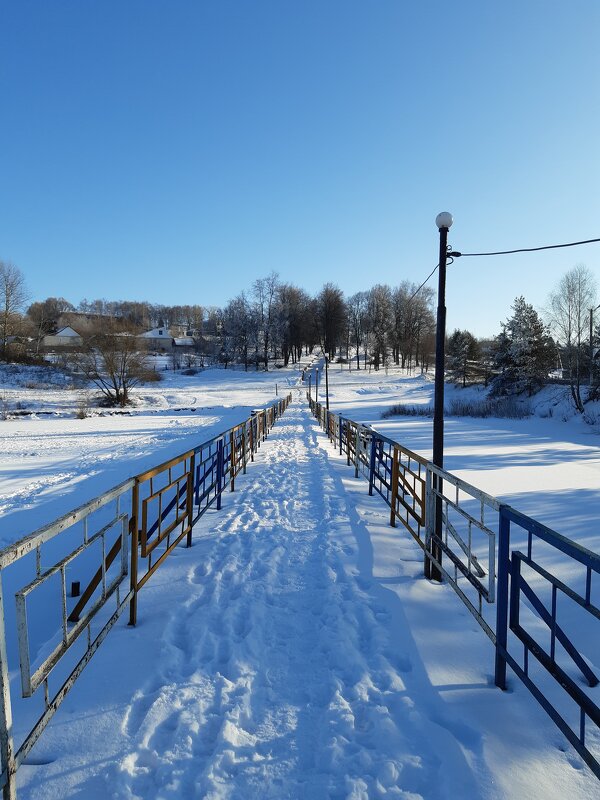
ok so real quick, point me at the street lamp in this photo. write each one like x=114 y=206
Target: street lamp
x=444 y=223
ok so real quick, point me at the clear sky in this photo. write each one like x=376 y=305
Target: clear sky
x=175 y=150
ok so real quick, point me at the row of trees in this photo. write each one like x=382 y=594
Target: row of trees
x=273 y=320
x=380 y=326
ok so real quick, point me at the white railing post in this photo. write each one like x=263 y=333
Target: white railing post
x=9 y=791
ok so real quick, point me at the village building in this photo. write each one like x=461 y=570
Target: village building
x=64 y=337
x=157 y=339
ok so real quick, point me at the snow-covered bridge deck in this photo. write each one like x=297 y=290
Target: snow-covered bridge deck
x=295 y=652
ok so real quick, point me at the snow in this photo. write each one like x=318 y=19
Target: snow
x=52 y=462
x=546 y=466
x=295 y=651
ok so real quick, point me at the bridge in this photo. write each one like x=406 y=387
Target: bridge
x=281 y=564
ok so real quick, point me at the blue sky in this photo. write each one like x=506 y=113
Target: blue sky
x=174 y=151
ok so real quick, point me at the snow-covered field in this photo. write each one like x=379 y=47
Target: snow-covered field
x=51 y=461
x=547 y=467
x=295 y=651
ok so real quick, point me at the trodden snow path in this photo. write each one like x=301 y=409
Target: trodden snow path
x=280 y=676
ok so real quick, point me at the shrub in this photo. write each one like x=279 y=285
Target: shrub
x=151 y=376
x=403 y=410
x=504 y=407
x=83 y=407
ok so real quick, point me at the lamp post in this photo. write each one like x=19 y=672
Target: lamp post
x=444 y=223
x=317 y=385
x=592 y=345
x=326 y=383
x=309 y=388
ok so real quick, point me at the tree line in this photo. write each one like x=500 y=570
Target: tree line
x=274 y=320
x=375 y=328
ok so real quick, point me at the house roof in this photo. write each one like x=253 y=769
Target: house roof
x=68 y=331
x=157 y=333
x=183 y=341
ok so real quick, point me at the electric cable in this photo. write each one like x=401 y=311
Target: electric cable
x=423 y=284
x=456 y=254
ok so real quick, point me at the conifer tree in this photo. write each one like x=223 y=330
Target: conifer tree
x=462 y=349
x=523 y=352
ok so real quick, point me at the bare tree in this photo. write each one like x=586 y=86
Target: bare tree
x=357 y=311
x=45 y=315
x=569 y=311
x=13 y=296
x=292 y=321
x=332 y=318
x=113 y=359
x=413 y=324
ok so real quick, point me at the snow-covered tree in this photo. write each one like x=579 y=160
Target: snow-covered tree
x=380 y=316
x=236 y=327
x=523 y=352
x=264 y=291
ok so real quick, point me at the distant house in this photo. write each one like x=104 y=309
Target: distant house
x=157 y=339
x=65 y=337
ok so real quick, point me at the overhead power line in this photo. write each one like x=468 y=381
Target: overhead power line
x=416 y=292
x=456 y=254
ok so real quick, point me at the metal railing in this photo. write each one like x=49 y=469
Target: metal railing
x=525 y=581
x=128 y=531
x=477 y=561
x=409 y=485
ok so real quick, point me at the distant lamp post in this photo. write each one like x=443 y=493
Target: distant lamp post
x=326 y=383
x=592 y=345
x=444 y=223
x=317 y=385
